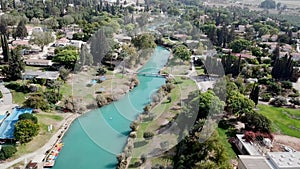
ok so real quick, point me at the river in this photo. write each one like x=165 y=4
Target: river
x=94 y=139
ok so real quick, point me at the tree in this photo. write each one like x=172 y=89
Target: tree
x=239 y=45
x=144 y=41
x=148 y=135
x=21 y=31
x=41 y=39
x=37 y=101
x=182 y=52
x=28 y=116
x=51 y=22
x=256 y=122
x=101 y=71
x=268 y=4
x=238 y=104
x=99 y=47
x=255 y=94
x=283 y=68
x=25 y=130
x=101 y=100
x=194 y=154
x=143 y=19
x=231 y=64
x=7 y=152
x=5 y=48
x=64 y=73
x=211 y=31
x=3 y=27
x=15 y=66
x=209 y=103
x=86 y=57
x=134 y=125
x=66 y=58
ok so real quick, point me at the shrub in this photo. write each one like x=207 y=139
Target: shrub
x=295 y=101
x=25 y=130
x=266 y=97
x=294 y=95
x=28 y=116
x=101 y=100
x=37 y=101
x=7 y=152
x=101 y=71
x=265 y=81
x=287 y=85
x=1 y=95
x=134 y=125
x=143 y=158
x=278 y=101
x=148 y=135
x=274 y=88
x=249 y=136
x=223 y=124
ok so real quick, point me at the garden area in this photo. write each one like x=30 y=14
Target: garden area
x=44 y=120
x=284 y=120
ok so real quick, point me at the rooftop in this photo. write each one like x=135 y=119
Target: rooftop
x=51 y=75
x=251 y=149
x=254 y=162
x=286 y=160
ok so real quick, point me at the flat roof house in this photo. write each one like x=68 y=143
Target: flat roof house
x=38 y=62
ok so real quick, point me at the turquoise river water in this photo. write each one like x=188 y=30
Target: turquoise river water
x=94 y=139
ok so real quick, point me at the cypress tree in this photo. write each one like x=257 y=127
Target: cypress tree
x=255 y=93
x=5 y=49
x=21 y=31
x=99 y=47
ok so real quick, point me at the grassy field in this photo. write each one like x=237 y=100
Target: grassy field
x=224 y=139
x=284 y=120
x=161 y=111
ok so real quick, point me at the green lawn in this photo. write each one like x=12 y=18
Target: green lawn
x=44 y=120
x=199 y=70
x=50 y=116
x=18 y=97
x=66 y=89
x=224 y=139
x=180 y=91
x=284 y=120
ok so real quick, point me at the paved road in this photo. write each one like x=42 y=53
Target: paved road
x=7 y=97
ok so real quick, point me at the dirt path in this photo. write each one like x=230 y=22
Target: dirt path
x=289 y=141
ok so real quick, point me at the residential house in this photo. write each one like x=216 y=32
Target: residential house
x=253 y=162
x=38 y=62
x=61 y=42
x=181 y=37
x=122 y=38
x=244 y=55
x=20 y=42
x=48 y=75
x=76 y=43
x=272 y=160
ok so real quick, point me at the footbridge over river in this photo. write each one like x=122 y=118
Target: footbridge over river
x=147 y=74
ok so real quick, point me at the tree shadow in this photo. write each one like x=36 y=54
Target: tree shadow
x=140 y=144
x=111 y=165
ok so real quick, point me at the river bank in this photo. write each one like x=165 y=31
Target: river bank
x=104 y=131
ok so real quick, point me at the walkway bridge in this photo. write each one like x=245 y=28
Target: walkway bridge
x=147 y=74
